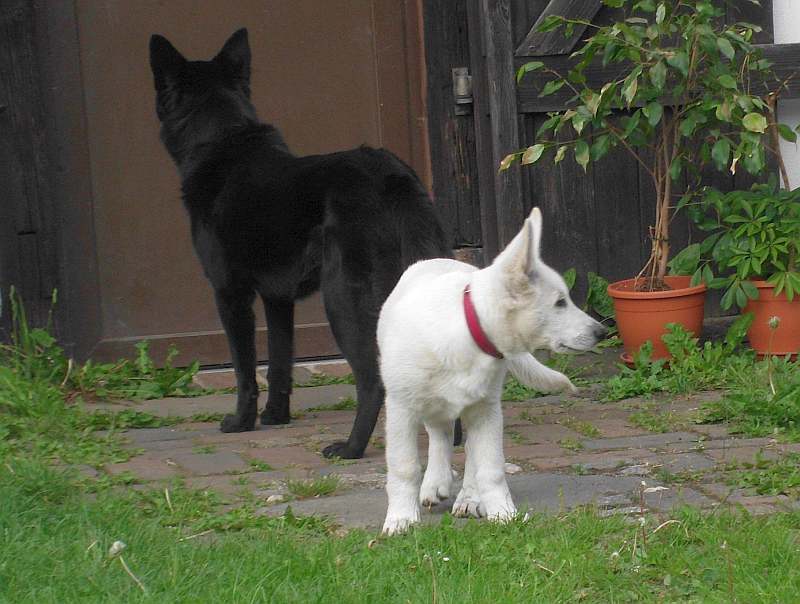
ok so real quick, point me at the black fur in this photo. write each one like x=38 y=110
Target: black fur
x=267 y=223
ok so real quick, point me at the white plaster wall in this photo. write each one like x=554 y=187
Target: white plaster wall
x=786 y=17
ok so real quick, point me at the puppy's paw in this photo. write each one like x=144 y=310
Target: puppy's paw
x=436 y=485
x=558 y=382
x=432 y=494
x=467 y=506
x=398 y=524
x=341 y=450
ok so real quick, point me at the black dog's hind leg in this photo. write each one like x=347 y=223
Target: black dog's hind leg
x=370 y=394
x=280 y=339
x=236 y=312
x=353 y=319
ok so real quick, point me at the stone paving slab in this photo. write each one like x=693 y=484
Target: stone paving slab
x=534 y=492
x=644 y=441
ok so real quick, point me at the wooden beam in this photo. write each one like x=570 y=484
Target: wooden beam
x=785 y=60
x=502 y=105
x=545 y=44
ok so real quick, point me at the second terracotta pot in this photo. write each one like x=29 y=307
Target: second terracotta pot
x=785 y=338
x=643 y=316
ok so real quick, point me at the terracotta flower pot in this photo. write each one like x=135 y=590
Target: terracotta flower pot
x=786 y=337
x=643 y=316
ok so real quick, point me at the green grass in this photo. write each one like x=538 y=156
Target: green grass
x=770 y=477
x=571 y=444
x=581 y=427
x=656 y=421
x=513 y=390
x=55 y=545
x=323 y=379
x=313 y=487
x=763 y=402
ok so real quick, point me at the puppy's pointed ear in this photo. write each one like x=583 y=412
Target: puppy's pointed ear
x=165 y=60
x=535 y=241
x=235 y=55
x=520 y=257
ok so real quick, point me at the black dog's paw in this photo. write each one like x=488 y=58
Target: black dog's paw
x=341 y=450
x=270 y=417
x=237 y=423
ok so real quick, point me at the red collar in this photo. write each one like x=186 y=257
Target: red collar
x=475 y=329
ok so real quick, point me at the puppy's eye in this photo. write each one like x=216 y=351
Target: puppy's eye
x=562 y=303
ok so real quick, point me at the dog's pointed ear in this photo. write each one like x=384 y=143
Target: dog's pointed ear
x=165 y=60
x=535 y=239
x=521 y=256
x=235 y=55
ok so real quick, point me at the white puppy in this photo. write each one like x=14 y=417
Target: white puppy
x=448 y=334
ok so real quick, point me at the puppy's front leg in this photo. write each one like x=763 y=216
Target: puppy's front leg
x=528 y=370
x=468 y=502
x=485 y=452
x=438 y=479
x=402 y=465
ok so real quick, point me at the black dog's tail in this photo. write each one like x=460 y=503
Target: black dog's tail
x=419 y=230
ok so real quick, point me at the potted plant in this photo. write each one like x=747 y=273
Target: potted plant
x=685 y=81
x=752 y=251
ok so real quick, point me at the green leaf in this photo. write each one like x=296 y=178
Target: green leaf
x=729 y=297
x=550 y=23
x=723 y=111
x=661 y=11
x=527 y=68
x=532 y=154
x=600 y=147
x=787 y=133
x=680 y=61
x=750 y=290
x=629 y=89
x=658 y=75
x=720 y=153
x=570 y=276
x=551 y=87
x=725 y=48
x=754 y=122
x=560 y=154
x=593 y=103
x=675 y=168
x=582 y=154
x=727 y=81
x=653 y=112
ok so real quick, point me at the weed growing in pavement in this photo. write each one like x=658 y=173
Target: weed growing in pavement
x=667 y=421
x=769 y=477
x=579 y=426
x=313 y=487
x=324 y=379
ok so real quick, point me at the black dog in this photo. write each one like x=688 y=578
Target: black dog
x=266 y=222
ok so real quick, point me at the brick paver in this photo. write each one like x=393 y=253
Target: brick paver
x=559 y=465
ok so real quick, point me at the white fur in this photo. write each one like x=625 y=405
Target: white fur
x=434 y=372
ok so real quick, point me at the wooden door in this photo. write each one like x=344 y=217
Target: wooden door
x=331 y=75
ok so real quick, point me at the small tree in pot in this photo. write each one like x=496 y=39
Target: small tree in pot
x=694 y=91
